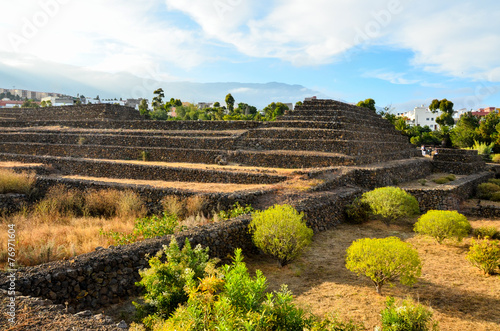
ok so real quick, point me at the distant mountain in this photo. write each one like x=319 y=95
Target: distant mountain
x=72 y=80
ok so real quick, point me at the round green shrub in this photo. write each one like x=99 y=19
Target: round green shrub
x=485 y=255
x=408 y=316
x=494 y=180
x=485 y=190
x=495 y=158
x=495 y=196
x=383 y=260
x=280 y=231
x=443 y=224
x=485 y=232
x=391 y=203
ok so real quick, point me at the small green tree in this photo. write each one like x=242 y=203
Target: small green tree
x=280 y=231
x=391 y=203
x=144 y=108
x=384 y=260
x=368 y=103
x=485 y=255
x=230 y=102
x=443 y=224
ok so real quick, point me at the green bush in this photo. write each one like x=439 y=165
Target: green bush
x=146 y=227
x=384 y=260
x=236 y=211
x=391 y=203
x=441 y=180
x=357 y=212
x=495 y=196
x=443 y=224
x=407 y=317
x=445 y=179
x=495 y=180
x=280 y=231
x=165 y=282
x=485 y=255
x=422 y=182
x=230 y=299
x=485 y=190
x=496 y=158
x=485 y=232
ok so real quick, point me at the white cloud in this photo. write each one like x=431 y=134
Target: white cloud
x=393 y=77
x=457 y=38
x=109 y=35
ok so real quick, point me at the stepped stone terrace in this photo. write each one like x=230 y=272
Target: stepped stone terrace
x=318 y=158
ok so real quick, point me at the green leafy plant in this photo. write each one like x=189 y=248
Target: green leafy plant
x=384 y=260
x=485 y=255
x=236 y=211
x=391 y=203
x=485 y=190
x=146 y=227
x=495 y=158
x=444 y=179
x=165 y=283
x=422 y=182
x=485 y=232
x=357 y=212
x=482 y=148
x=443 y=224
x=145 y=156
x=408 y=316
x=231 y=299
x=495 y=180
x=281 y=232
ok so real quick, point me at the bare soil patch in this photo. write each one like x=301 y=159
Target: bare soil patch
x=417 y=184
x=462 y=297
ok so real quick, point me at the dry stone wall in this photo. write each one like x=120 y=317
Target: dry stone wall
x=77 y=112
x=449 y=197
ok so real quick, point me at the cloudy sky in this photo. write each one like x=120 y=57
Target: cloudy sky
x=399 y=52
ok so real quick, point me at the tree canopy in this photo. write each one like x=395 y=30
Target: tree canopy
x=368 y=103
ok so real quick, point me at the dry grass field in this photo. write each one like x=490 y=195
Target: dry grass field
x=461 y=296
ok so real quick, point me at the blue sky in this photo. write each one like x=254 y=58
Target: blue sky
x=402 y=53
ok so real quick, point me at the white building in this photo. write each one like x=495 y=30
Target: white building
x=422 y=116
x=56 y=101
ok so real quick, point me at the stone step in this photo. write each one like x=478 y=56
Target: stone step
x=121 y=140
x=301 y=133
x=352 y=147
x=145 y=171
x=149 y=133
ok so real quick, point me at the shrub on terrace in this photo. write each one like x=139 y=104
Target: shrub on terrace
x=384 y=260
x=281 y=232
x=485 y=255
x=391 y=203
x=486 y=190
x=407 y=317
x=443 y=224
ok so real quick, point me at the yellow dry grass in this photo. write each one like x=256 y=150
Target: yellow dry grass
x=12 y=182
x=188 y=186
x=461 y=296
x=230 y=167
x=40 y=240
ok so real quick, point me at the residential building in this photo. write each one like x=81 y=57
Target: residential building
x=422 y=116
x=6 y=103
x=481 y=112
